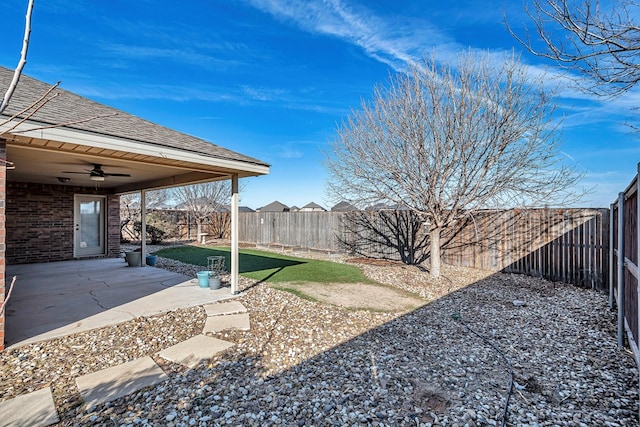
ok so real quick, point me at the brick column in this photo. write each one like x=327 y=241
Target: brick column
x=3 y=194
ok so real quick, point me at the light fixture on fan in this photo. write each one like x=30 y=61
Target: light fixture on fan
x=97 y=174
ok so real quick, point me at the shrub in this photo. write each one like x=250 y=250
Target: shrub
x=153 y=232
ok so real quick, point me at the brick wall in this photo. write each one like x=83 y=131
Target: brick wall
x=113 y=225
x=39 y=222
x=3 y=182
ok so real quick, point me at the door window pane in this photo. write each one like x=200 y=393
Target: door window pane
x=90 y=224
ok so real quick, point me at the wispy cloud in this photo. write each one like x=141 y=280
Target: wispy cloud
x=393 y=41
x=188 y=56
x=177 y=93
x=241 y=95
x=264 y=94
x=288 y=151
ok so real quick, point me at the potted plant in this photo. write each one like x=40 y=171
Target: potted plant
x=214 y=280
x=134 y=258
x=151 y=260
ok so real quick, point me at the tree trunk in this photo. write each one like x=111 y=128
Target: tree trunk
x=435 y=253
x=198 y=227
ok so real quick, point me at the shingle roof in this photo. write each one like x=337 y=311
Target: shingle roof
x=343 y=206
x=312 y=205
x=379 y=207
x=68 y=107
x=275 y=207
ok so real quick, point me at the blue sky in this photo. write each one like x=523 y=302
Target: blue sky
x=271 y=79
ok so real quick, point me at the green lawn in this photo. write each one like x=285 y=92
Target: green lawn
x=270 y=267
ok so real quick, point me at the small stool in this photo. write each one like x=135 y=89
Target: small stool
x=215 y=264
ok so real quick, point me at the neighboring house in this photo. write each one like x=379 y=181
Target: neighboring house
x=274 y=207
x=203 y=202
x=343 y=207
x=379 y=207
x=294 y=208
x=72 y=160
x=312 y=207
x=227 y=209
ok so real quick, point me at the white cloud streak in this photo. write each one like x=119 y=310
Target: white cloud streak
x=395 y=42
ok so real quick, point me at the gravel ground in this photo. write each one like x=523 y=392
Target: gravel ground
x=306 y=363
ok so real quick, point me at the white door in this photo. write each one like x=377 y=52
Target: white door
x=89 y=217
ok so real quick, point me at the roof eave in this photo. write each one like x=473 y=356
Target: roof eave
x=91 y=139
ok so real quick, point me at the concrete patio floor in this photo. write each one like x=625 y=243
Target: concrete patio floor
x=55 y=299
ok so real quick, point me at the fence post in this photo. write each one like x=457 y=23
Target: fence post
x=621 y=269
x=611 y=251
x=637 y=260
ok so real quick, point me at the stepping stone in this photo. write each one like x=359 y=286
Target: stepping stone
x=230 y=307
x=33 y=409
x=118 y=381
x=231 y=321
x=195 y=350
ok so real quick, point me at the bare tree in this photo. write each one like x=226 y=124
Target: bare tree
x=4 y=101
x=202 y=200
x=386 y=234
x=445 y=141
x=23 y=59
x=600 y=40
x=130 y=211
x=19 y=117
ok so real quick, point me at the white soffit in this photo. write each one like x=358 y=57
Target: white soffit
x=91 y=139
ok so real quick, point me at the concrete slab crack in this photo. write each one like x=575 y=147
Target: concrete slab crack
x=95 y=298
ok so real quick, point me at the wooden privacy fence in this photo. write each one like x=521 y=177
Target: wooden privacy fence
x=309 y=230
x=623 y=258
x=569 y=245
x=180 y=224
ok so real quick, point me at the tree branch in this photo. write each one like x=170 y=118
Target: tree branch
x=23 y=59
x=602 y=45
x=6 y=300
x=57 y=125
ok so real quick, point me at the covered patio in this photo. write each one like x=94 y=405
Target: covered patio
x=61 y=298
x=64 y=162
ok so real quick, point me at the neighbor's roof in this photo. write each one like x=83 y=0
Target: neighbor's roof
x=312 y=205
x=343 y=206
x=275 y=207
x=379 y=207
x=68 y=108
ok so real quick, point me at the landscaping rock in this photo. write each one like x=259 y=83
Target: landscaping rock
x=309 y=363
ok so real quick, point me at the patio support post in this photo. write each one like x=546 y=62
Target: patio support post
x=620 y=266
x=234 y=235
x=143 y=227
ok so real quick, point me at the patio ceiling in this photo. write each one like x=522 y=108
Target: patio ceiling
x=43 y=161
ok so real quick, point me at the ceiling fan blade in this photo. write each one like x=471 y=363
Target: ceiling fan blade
x=98 y=172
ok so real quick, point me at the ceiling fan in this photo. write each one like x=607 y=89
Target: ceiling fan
x=97 y=174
